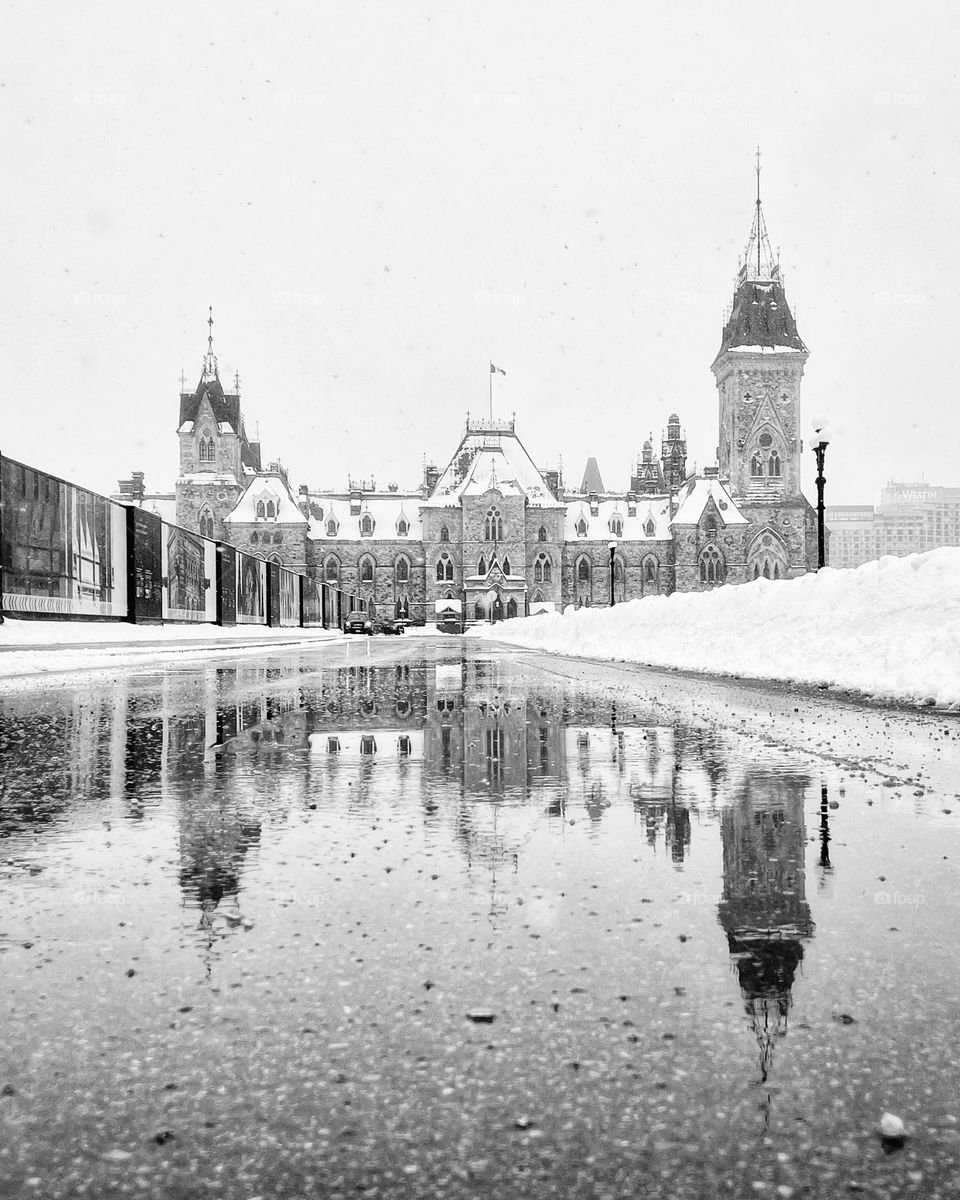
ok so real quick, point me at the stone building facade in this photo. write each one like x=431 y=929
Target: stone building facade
x=493 y=536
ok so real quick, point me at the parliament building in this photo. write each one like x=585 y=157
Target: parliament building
x=491 y=535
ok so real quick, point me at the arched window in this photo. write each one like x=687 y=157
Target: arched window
x=271 y=510
x=445 y=567
x=542 y=534
x=278 y=537
x=583 y=570
x=493 y=526
x=505 y=566
x=756 y=465
x=482 y=566
x=261 y=511
x=444 y=534
x=649 y=571
x=542 y=569
x=511 y=608
x=479 y=611
x=332 y=527
x=616 y=525
x=650 y=529
x=712 y=567
x=582 y=527
x=710 y=526
x=402 y=570
x=366 y=570
x=208 y=451
x=773 y=466
x=331 y=569
x=206 y=523
x=254 y=538
x=275 y=558
x=366 y=525
x=402 y=527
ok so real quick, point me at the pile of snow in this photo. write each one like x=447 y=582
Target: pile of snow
x=889 y=629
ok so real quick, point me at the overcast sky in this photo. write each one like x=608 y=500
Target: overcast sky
x=378 y=199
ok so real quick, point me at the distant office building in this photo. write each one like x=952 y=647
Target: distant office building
x=911 y=518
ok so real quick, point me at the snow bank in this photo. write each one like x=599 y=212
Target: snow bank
x=889 y=629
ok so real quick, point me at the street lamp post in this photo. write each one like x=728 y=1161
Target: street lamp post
x=820 y=443
x=611 y=546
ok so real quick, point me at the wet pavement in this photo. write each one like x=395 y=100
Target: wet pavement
x=433 y=918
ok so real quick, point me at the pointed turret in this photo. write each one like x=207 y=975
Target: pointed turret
x=210 y=371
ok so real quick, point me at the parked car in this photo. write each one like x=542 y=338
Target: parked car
x=389 y=625
x=358 y=621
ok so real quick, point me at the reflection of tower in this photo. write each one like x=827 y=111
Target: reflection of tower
x=764 y=910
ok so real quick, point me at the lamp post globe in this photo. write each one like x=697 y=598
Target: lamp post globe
x=612 y=547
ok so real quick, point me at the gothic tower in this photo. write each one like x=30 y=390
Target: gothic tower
x=758 y=371
x=215 y=456
x=673 y=455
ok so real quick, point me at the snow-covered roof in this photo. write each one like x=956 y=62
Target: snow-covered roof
x=655 y=508
x=208 y=477
x=266 y=487
x=385 y=510
x=491 y=459
x=764 y=350
x=694 y=495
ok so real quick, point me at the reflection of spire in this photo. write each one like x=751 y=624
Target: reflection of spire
x=764 y=910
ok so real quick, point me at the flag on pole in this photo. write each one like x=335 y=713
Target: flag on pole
x=494 y=370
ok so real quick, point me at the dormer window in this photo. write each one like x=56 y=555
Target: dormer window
x=581 y=527
x=616 y=525
x=366 y=525
x=261 y=510
x=402 y=527
x=332 y=527
x=271 y=511
x=649 y=528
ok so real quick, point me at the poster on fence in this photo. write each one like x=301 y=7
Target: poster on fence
x=289 y=598
x=251 y=590
x=64 y=548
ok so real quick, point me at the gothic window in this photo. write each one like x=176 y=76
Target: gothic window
x=445 y=567
x=493 y=526
x=278 y=537
x=479 y=611
x=649 y=529
x=710 y=526
x=261 y=510
x=511 y=608
x=616 y=525
x=402 y=527
x=774 y=464
x=332 y=527
x=402 y=570
x=366 y=570
x=254 y=538
x=542 y=534
x=482 y=566
x=542 y=569
x=649 y=572
x=331 y=569
x=208 y=451
x=618 y=570
x=366 y=525
x=505 y=566
x=444 y=534
x=712 y=567
x=582 y=527
x=206 y=523
x=271 y=511
x=583 y=570
x=756 y=465
x=765 y=440
x=275 y=558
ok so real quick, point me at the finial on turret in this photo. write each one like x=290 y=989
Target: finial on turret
x=210 y=359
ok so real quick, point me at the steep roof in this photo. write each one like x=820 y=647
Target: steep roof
x=649 y=508
x=761 y=318
x=491 y=456
x=694 y=495
x=384 y=508
x=265 y=487
x=591 y=478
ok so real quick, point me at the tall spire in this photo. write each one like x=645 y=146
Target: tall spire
x=758 y=260
x=210 y=359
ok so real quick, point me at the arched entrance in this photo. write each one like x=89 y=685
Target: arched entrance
x=496 y=608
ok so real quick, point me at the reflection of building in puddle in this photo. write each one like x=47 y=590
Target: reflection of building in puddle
x=764 y=910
